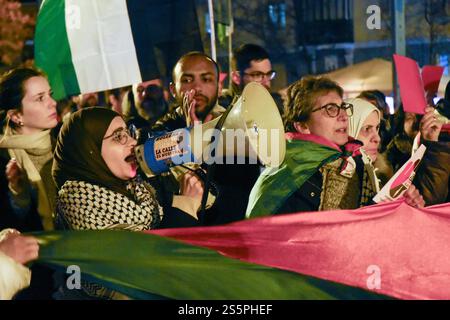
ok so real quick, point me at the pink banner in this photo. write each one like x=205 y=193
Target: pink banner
x=411 y=86
x=389 y=248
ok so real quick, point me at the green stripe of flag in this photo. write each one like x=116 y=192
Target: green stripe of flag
x=52 y=50
x=140 y=264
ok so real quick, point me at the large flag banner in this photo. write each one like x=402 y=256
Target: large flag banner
x=95 y=45
x=146 y=266
x=389 y=249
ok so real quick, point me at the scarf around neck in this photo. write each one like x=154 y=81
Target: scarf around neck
x=85 y=206
x=20 y=147
x=305 y=154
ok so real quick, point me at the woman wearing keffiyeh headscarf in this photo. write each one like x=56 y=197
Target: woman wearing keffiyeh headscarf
x=95 y=171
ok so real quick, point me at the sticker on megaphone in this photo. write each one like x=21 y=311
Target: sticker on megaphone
x=170 y=145
x=160 y=153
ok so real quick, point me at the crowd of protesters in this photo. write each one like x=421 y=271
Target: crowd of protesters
x=70 y=164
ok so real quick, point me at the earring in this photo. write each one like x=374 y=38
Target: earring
x=20 y=124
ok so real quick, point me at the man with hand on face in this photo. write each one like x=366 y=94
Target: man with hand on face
x=195 y=88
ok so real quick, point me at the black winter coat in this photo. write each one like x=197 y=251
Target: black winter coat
x=432 y=178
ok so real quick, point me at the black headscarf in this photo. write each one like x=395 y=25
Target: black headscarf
x=79 y=147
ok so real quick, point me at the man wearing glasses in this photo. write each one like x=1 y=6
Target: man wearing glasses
x=250 y=63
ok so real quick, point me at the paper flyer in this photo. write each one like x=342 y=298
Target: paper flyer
x=402 y=179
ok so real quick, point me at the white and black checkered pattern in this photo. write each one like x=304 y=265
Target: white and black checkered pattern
x=82 y=205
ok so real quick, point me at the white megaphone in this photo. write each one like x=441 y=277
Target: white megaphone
x=250 y=129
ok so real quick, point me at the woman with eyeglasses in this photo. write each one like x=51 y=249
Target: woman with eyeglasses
x=95 y=171
x=322 y=169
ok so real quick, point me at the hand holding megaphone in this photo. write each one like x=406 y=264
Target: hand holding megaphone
x=191 y=185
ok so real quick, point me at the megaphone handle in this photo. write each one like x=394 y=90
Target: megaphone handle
x=213 y=187
x=208 y=183
x=202 y=175
x=206 y=178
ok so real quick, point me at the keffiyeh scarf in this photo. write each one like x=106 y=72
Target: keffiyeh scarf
x=82 y=205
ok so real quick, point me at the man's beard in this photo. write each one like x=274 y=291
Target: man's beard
x=201 y=114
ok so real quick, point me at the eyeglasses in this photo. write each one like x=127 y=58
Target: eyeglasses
x=121 y=135
x=259 y=76
x=333 y=109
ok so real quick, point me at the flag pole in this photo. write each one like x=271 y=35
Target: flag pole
x=399 y=43
x=213 y=30
x=230 y=36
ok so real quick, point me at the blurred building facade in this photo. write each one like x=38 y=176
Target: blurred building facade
x=319 y=36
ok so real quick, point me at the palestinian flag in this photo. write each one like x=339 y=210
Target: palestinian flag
x=95 y=45
x=146 y=266
x=386 y=250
